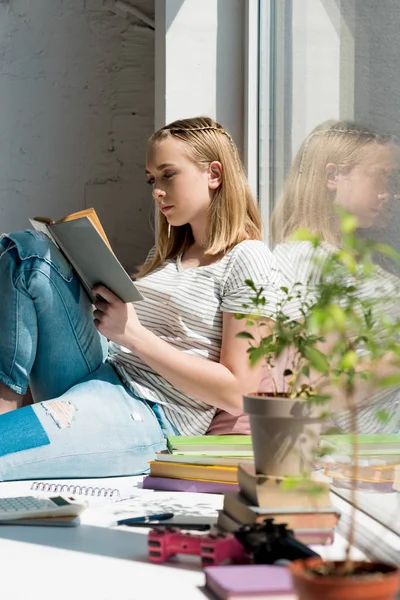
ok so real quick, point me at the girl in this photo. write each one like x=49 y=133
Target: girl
x=339 y=164
x=173 y=358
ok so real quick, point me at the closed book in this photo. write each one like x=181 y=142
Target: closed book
x=379 y=487
x=269 y=492
x=370 y=473
x=185 y=471
x=396 y=483
x=187 y=485
x=367 y=444
x=220 y=445
x=226 y=522
x=316 y=537
x=243 y=582
x=243 y=511
x=201 y=459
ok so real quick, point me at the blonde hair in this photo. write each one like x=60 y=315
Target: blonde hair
x=306 y=200
x=233 y=214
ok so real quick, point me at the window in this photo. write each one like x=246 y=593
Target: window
x=320 y=60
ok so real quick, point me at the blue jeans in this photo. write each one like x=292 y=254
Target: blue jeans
x=85 y=422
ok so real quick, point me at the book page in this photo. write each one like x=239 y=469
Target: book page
x=41 y=224
x=92 y=258
x=186 y=507
x=91 y=214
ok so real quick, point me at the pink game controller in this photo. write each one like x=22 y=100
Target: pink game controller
x=213 y=549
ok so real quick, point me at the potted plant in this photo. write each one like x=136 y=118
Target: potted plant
x=286 y=413
x=288 y=410
x=342 y=338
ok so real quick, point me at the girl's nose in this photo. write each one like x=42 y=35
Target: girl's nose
x=158 y=194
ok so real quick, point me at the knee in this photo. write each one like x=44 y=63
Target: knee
x=28 y=244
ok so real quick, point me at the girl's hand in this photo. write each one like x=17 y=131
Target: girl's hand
x=113 y=318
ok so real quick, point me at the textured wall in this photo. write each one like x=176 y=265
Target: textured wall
x=76 y=107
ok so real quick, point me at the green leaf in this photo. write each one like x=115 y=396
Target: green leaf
x=324 y=451
x=290 y=483
x=250 y=284
x=348 y=223
x=255 y=355
x=389 y=380
x=245 y=335
x=348 y=259
x=349 y=360
x=338 y=315
x=302 y=234
x=317 y=360
x=388 y=251
x=383 y=416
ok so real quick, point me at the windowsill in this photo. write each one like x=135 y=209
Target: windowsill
x=372 y=537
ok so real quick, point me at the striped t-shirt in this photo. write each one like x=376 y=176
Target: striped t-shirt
x=300 y=262
x=184 y=307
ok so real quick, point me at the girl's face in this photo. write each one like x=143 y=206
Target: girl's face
x=364 y=189
x=181 y=188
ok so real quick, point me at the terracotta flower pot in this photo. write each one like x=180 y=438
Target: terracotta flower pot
x=315 y=587
x=285 y=433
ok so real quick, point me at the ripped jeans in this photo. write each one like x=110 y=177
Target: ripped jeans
x=85 y=422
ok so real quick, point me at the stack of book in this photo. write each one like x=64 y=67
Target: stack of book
x=207 y=464
x=377 y=457
x=308 y=512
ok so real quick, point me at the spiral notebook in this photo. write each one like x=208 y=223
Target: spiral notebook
x=109 y=493
x=94 y=491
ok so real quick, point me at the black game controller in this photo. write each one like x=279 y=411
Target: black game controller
x=268 y=543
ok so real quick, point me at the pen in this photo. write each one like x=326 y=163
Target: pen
x=146 y=519
x=183 y=526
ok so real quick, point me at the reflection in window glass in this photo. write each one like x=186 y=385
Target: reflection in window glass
x=336 y=61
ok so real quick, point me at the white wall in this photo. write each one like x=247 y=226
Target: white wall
x=199 y=62
x=76 y=107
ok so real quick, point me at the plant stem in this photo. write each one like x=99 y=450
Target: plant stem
x=313 y=384
x=269 y=368
x=354 y=475
x=271 y=371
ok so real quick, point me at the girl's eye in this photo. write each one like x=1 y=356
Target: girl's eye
x=150 y=181
x=168 y=175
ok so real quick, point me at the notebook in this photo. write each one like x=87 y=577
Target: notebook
x=243 y=582
x=202 y=459
x=187 y=471
x=94 y=491
x=134 y=501
x=188 y=485
x=109 y=493
x=367 y=444
x=218 y=445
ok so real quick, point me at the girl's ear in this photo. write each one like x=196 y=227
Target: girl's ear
x=214 y=175
x=331 y=174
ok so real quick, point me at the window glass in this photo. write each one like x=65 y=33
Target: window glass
x=336 y=60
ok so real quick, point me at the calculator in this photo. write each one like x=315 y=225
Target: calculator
x=25 y=507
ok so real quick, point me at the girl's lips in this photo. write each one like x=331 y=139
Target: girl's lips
x=165 y=209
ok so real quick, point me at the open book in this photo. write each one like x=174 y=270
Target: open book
x=81 y=238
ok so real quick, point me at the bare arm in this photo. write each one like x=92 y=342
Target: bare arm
x=220 y=384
